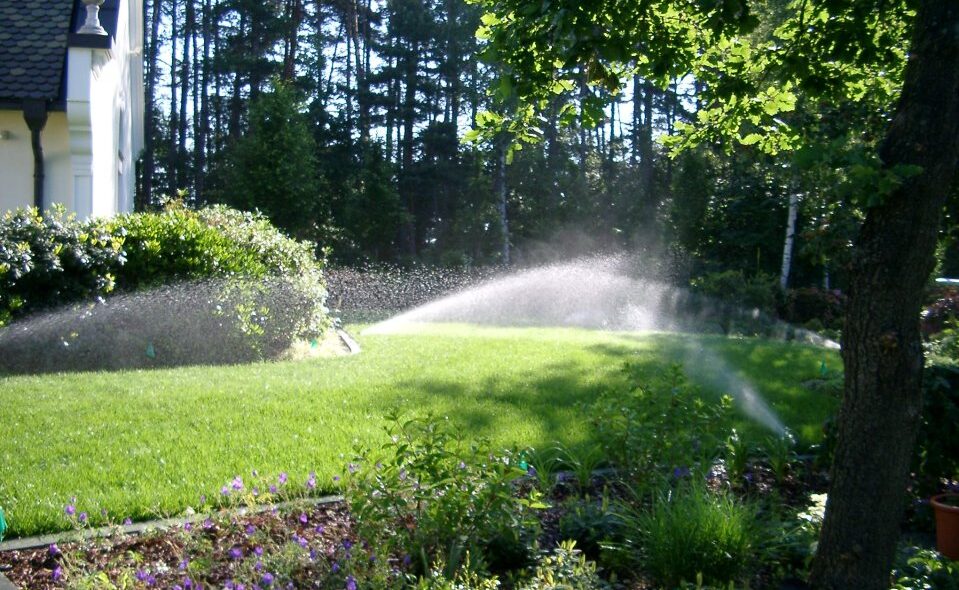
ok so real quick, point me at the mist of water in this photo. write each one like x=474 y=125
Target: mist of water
x=604 y=292
x=203 y=322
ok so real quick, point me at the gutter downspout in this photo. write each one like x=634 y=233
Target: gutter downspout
x=35 y=114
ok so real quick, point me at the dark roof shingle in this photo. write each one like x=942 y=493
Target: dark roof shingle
x=33 y=48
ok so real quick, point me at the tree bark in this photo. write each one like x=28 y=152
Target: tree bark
x=882 y=348
x=790 y=238
x=149 y=157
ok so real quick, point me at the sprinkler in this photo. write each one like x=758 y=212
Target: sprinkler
x=823 y=371
x=151 y=351
x=3 y=525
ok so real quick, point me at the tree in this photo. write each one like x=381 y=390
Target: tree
x=829 y=50
x=273 y=166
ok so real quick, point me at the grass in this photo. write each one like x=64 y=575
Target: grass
x=148 y=443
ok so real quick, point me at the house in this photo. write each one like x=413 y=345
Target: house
x=71 y=104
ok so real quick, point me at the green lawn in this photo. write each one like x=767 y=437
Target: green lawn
x=147 y=443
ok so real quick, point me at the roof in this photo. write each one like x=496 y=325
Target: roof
x=34 y=37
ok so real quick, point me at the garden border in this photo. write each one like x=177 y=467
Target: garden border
x=37 y=542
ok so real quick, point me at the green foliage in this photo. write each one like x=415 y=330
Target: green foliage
x=661 y=428
x=937 y=449
x=738 y=451
x=49 y=260
x=432 y=498
x=591 y=522
x=567 y=568
x=690 y=532
x=780 y=454
x=273 y=167
x=924 y=569
x=756 y=292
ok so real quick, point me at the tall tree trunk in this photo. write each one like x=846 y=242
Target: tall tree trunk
x=882 y=350
x=181 y=159
x=203 y=130
x=790 y=238
x=174 y=117
x=149 y=157
x=499 y=186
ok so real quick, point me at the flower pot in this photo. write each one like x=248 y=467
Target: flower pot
x=946 y=507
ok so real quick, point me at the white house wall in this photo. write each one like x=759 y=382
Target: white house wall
x=16 y=161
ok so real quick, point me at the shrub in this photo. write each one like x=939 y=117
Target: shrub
x=919 y=569
x=937 y=449
x=208 y=286
x=691 y=532
x=663 y=427
x=757 y=292
x=809 y=306
x=53 y=259
x=590 y=523
x=430 y=498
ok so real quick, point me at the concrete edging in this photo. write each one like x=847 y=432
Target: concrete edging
x=6 y=584
x=348 y=340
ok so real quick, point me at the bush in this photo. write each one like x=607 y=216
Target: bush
x=662 y=428
x=53 y=259
x=937 y=449
x=208 y=286
x=811 y=306
x=427 y=496
x=919 y=569
x=691 y=532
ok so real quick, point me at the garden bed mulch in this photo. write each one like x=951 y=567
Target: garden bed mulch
x=210 y=553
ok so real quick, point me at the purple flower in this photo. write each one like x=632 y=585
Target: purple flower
x=336 y=567
x=237 y=483
x=82 y=517
x=202 y=499
x=336 y=478
x=258 y=565
x=224 y=491
x=267 y=579
x=128 y=521
x=53 y=550
x=312 y=554
x=351 y=468
x=236 y=553
x=258 y=551
x=207 y=524
x=304 y=518
x=407 y=560
x=141 y=575
x=350 y=583
x=302 y=542
x=184 y=564
x=462 y=465
x=347 y=544
x=70 y=510
x=320 y=529
x=282 y=479
x=256 y=492
x=402 y=475
x=250 y=529
x=311 y=482
x=57 y=574
x=531 y=471
x=188 y=526
x=272 y=489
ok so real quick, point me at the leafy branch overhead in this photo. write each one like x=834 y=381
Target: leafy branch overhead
x=749 y=72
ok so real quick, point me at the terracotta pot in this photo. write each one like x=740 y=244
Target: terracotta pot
x=947 y=524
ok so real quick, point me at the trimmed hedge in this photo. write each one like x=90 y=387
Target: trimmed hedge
x=208 y=286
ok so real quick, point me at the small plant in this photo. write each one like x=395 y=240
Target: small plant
x=919 y=569
x=429 y=497
x=591 y=522
x=565 y=568
x=738 y=452
x=690 y=532
x=780 y=454
x=544 y=466
x=583 y=465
